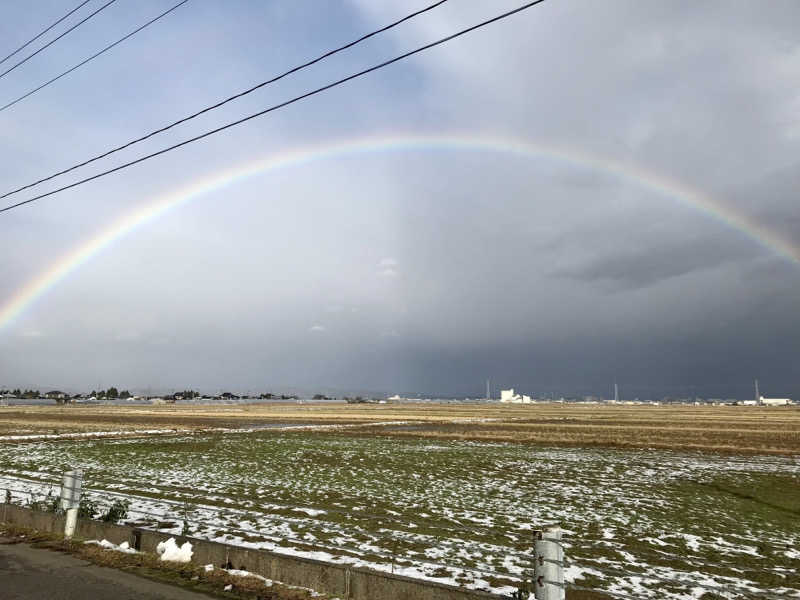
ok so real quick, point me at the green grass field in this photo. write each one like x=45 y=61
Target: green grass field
x=460 y=511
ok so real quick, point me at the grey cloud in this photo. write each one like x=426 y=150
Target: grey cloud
x=772 y=199
x=428 y=268
x=640 y=266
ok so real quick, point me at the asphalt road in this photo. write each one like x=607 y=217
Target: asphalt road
x=33 y=574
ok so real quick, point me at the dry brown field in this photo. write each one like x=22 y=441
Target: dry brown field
x=747 y=430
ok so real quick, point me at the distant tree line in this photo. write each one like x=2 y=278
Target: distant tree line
x=111 y=393
x=362 y=400
x=63 y=397
x=18 y=393
x=114 y=393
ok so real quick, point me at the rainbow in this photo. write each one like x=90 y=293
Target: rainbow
x=38 y=286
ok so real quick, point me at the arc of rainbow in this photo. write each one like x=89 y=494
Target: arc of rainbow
x=25 y=296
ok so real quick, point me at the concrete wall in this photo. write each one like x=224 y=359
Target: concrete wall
x=327 y=578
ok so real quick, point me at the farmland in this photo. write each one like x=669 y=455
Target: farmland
x=740 y=430
x=443 y=492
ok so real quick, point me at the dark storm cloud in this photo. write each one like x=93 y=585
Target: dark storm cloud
x=638 y=265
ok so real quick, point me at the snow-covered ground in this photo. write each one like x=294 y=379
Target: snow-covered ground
x=636 y=522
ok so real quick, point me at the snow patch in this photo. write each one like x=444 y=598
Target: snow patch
x=123 y=547
x=574 y=572
x=270 y=582
x=170 y=551
x=84 y=434
x=311 y=512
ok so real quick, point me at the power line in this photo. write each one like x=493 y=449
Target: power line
x=277 y=106
x=93 y=56
x=54 y=40
x=33 y=39
x=226 y=100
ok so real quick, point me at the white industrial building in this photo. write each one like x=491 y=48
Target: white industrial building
x=771 y=401
x=774 y=401
x=509 y=397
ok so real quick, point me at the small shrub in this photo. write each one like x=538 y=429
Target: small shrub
x=87 y=509
x=523 y=592
x=116 y=512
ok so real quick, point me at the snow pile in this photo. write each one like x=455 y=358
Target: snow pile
x=170 y=551
x=123 y=547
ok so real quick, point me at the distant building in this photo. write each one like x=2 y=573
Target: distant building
x=761 y=401
x=775 y=401
x=509 y=397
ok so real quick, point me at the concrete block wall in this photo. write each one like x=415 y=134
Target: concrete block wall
x=353 y=583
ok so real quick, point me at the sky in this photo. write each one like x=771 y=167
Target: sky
x=576 y=195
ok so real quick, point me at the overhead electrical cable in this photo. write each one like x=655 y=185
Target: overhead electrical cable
x=226 y=100
x=33 y=39
x=55 y=39
x=93 y=56
x=277 y=106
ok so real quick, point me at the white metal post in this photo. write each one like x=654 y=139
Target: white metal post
x=548 y=566
x=71 y=499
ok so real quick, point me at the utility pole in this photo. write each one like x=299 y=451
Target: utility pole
x=488 y=393
x=758 y=396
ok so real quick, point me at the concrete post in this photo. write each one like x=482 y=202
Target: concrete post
x=548 y=566
x=71 y=489
x=71 y=499
x=72 y=521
